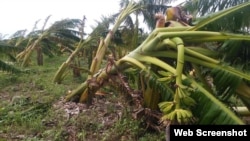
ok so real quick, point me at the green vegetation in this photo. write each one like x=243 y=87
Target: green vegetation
x=122 y=83
x=32 y=108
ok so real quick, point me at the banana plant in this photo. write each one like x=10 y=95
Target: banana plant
x=61 y=32
x=182 y=97
x=6 y=65
x=102 y=47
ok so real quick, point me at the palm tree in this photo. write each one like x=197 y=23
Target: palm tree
x=184 y=98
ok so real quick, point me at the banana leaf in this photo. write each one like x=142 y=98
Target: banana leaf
x=210 y=110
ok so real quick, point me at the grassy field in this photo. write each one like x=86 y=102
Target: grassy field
x=32 y=109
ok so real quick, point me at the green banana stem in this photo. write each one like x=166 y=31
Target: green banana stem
x=204 y=51
x=76 y=91
x=158 y=30
x=213 y=36
x=177 y=98
x=218 y=38
x=58 y=76
x=169 y=43
x=171 y=29
x=96 y=63
x=133 y=61
x=180 y=59
x=152 y=60
x=152 y=45
x=201 y=56
x=172 y=54
x=179 y=69
x=159 y=37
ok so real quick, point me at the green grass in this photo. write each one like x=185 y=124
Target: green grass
x=27 y=110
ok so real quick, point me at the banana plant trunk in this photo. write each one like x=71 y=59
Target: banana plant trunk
x=39 y=56
x=58 y=76
x=29 y=51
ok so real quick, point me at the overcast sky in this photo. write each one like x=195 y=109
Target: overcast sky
x=22 y=14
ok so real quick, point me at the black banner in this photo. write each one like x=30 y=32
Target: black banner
x=178 y=132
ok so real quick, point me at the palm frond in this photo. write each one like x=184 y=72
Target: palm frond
x=211 y=18
x=203 y=7
x=48 y=47
x=102 y=27
x=68 y=34
x=236 y=53
x=129 y=22
x=65 y=24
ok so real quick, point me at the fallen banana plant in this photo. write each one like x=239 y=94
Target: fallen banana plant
x=95 y=66
x=138 y=59
x=183 y=99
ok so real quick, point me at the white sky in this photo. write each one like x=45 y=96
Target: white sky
x=22 y=14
